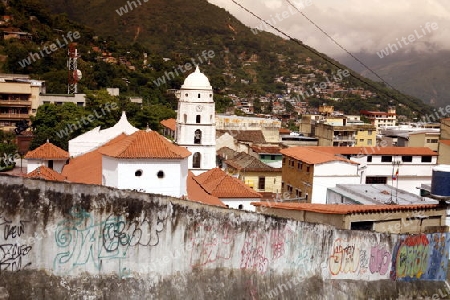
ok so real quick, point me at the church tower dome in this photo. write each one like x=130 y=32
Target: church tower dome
x=196 y=81
x=196 y=122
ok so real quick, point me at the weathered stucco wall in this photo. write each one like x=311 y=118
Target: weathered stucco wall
x=73 y=241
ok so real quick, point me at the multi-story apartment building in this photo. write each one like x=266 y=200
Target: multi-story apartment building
x=19 y=98
x=314 y=169
x=345 y=135
x=307 y=173
x=381 y=119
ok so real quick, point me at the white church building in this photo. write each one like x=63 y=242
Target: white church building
x=195 y=124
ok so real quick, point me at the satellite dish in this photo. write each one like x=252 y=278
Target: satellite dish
x=77 y=75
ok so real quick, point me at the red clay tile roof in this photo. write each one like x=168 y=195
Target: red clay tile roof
x=198 y=194
x=246 y=162
x=343 y=209
x=45 y=173
x=145 y=144
x=48 y=151
x=219 y=184
x=169 y=123
x=445 y=142
x=87 y=168
x=266 y=149
x=311 y=155
x=376 y=150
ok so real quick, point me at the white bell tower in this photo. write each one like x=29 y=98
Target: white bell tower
x=196 y=122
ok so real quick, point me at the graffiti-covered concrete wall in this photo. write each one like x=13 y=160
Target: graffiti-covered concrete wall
x=73 y=241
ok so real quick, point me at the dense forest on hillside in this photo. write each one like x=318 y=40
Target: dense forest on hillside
x=135 y=51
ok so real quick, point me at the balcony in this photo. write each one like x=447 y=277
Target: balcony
x=344 y=138
x=15 y=103
x=14 y=117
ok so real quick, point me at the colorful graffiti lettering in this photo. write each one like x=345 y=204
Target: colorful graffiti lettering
x=211 y=243
x=344 y=258
x=412 y=257
x=380 y=260
x=421 y=257
x=84 y=242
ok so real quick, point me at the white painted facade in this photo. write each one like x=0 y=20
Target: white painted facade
x=329 y=174
x=227 y=140
x=240 y=203
x=142 y=175
x=95 y=138
x=196 y=128
x=33 y=164
x=411 y=174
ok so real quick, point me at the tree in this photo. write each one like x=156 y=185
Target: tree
x=153 y=114
x=222 y=103
x=7 y=143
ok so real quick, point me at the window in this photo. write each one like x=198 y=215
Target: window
x=292 y=163
x=50 y=164
x=241 y=206
x=386 y=158
x=369 y=158
x=369 y=142
x=282 y=185
x=198 y=137
x=406 y=158
x=369 y=132
x=361 y=140
x=426 y=159
x=363 y=225
x=80 y=103
x=307 y=169
x=185 y=118
x=272 y=157
x=186 y=95
x=160 y=174
x=197 y=119
x=432 y=141
x=138 y=173
x=299 y=166
x=198 y=96
x=262 y=183
x=376 y=180
x=196 y=160
x=284 y=160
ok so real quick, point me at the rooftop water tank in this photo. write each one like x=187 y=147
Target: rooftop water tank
x=440 y=181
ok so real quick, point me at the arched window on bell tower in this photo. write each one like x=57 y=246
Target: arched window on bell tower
x=196 y=160
x=198 y=137
x=197 y=119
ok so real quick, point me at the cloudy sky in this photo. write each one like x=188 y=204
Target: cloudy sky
x=358 y=25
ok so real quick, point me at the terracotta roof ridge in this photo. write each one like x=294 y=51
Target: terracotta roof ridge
x=201 y=186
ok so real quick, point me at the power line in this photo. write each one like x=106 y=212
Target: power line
x=326 y=58
x=339 y=45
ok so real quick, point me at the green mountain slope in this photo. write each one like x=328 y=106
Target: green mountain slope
x=243 y=63
x=423 y=75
